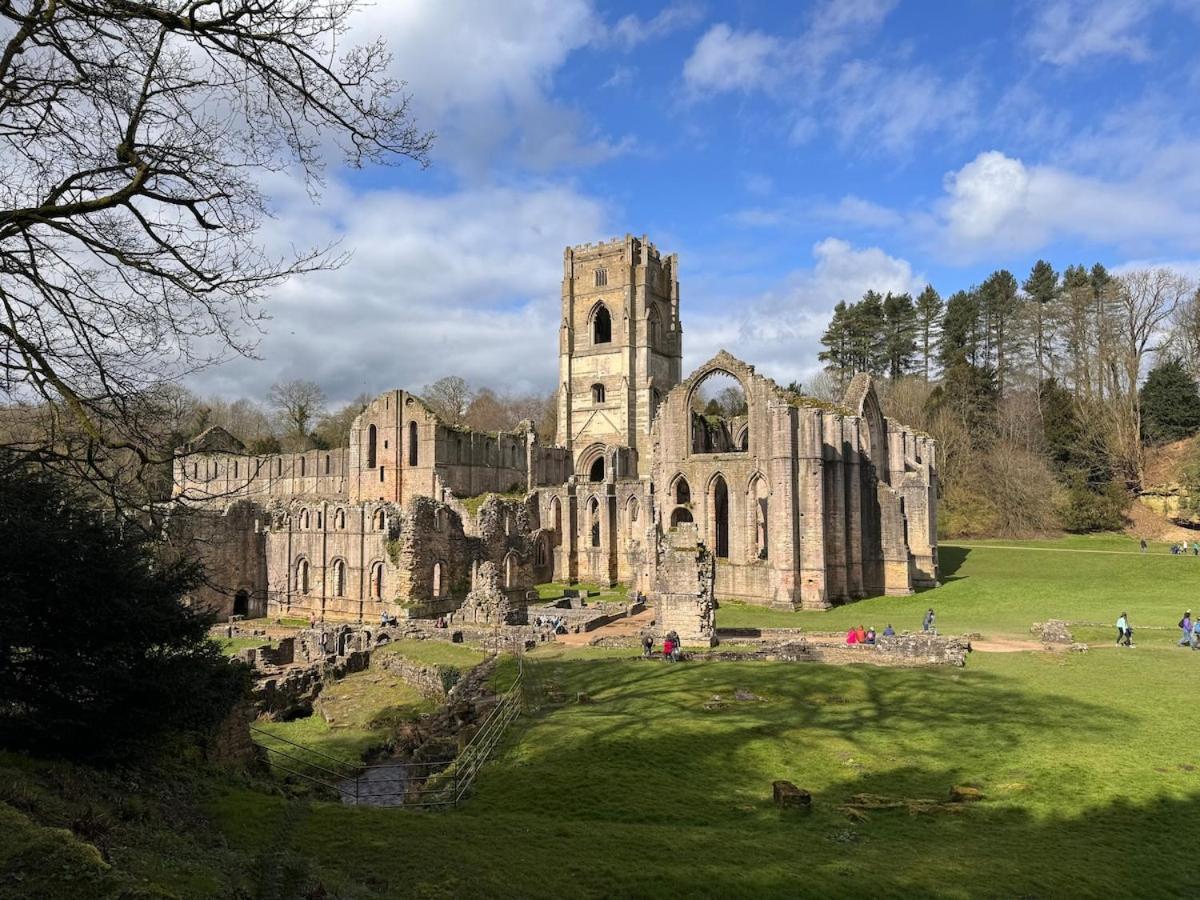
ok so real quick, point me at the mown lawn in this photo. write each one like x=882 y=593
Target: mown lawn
x=1088 y=763
x=436 y=653
x=1000 y=592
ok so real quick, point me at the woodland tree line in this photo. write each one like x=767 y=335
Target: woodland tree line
x=1043 y=393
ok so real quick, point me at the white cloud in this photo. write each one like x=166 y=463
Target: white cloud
x=632 y=30
x=481 y=75
x=779 y=330
x=727 y=60
x=894 y=107
x=466 y=283
x=997 y=201
x=1066 y=32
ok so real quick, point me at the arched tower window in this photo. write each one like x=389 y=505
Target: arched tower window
x=372 y=442
x=602 y=326
x=596 y=473
x=597 y=393
x=380 y=520
x=339 y=520
x=339 y=578
x=654 y=327
x=412 y=443
x=302 y=575
x=602 y=278
x=377 y=581
x=304 y=519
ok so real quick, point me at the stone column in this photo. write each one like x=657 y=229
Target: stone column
x=853 y=486
x=783 y=507
x=812 y=511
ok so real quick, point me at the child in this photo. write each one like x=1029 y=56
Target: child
x=668 y=649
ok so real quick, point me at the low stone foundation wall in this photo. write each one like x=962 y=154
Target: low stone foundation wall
x=435 y=682
x=910 y=649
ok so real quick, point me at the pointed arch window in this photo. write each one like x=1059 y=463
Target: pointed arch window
x=602 y=326
x=372 y=441
x=377 y=581
x=594 y=520
x=412 y=443
x=302 y=583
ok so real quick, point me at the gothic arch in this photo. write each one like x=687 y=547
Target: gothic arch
x=600 y=325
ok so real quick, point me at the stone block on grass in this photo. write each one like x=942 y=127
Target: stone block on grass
x=788 y=796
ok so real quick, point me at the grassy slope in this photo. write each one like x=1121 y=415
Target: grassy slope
x=1089 y=763
x=1002 y=592
x=436 y=653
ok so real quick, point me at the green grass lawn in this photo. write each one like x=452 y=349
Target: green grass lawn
x=1001 y=592
x=436 y=653
x=232 y=646
x=1089 y=765
x=554 y=590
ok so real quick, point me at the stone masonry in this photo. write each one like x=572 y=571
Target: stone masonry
x=683 y=594
x=798 y=503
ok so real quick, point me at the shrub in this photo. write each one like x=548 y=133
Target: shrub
x=98 y=656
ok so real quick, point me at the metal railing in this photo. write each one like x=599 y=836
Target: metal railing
x=427 y=784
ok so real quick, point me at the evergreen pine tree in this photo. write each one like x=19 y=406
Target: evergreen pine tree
x=929 y=319
x=900 y=330
x=1170 y=403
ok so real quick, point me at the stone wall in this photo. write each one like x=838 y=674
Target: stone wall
x=683 y=599
x=230 y=542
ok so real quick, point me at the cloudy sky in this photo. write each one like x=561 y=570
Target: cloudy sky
x=793 y=154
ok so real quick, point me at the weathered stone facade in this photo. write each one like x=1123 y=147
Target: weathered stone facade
x=683 y=595
x=800 y=503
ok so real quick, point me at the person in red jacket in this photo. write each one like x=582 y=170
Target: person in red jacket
x=852 y=636
x=668 y=648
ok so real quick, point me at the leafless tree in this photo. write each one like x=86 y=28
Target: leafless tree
x=449 y=397
x=298 y=404
x=134 y=140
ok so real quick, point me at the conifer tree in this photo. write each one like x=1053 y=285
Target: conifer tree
x=929 y=319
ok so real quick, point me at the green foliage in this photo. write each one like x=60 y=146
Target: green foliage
x=1090 y=509
x=97 y=654
x=1170 y=403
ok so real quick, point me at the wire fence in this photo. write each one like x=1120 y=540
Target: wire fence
x=439 y=783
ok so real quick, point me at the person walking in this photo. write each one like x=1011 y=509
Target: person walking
x=1144 y=545
x=1185 y=627
x=647 y=646
x=927 y=624
x=1122 y=623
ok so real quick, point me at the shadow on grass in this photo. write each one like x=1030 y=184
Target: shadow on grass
x=950 y=560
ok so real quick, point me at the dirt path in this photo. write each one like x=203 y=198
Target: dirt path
x=1005 y=645
x=619 y=628
x=974 y=546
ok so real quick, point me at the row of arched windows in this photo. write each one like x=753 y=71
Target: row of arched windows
x=719 y=513
x=305 y=519
x=337 y=578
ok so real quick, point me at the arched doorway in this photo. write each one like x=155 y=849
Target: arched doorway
x=241 y=603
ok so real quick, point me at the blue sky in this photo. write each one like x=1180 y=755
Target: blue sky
x=793 y=155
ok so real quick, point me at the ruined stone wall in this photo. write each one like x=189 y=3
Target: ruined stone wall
x=230 y=542
x=683 y=596
x=225 y=476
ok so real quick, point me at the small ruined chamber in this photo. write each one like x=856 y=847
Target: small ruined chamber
x=801 y=503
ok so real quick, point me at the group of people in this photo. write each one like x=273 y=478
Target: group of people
x=1189 y=631
x=555 y=623
x=862 y=635
x=1181 y=548
x=672 y=648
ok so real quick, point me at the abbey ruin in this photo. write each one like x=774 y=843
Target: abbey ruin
x=802 y=503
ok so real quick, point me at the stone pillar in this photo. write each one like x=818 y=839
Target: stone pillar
x=835 y=509
x=570 y=535
x=683 y=597
x=896 y=579
x=812 y=511
x=783 y=507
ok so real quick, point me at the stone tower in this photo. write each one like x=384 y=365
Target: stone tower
x=620 y=348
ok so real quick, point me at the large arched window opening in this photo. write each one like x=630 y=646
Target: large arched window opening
x=596 y=472
x=339 y=578
x=412 y=443
x=556 y=516
x=372 y=443
x=510 y=571
x=438 y=580
x=339 y=519
x=304 y=519
x=594 y=521
x=302 y=583
x=379 y=520
x=602 y=326
x=540 y=553
x=679 y=516
x=720 y=518
x=719 y=411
